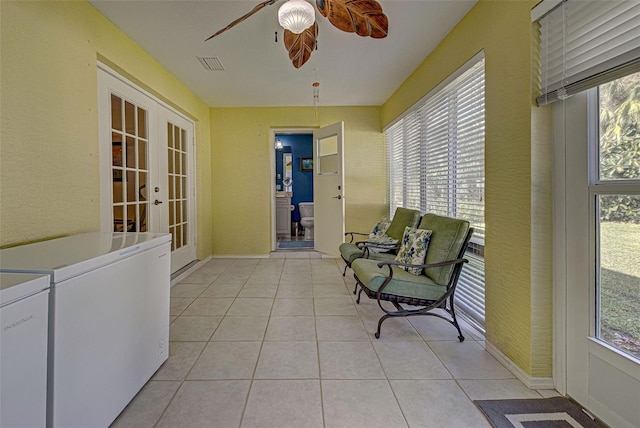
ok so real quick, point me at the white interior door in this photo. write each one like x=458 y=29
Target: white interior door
x=179 y=216
x=147 y=165
x=603 y=377
x=128 y=158
x=328 y=188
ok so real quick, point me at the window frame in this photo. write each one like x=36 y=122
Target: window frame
x=600 y=187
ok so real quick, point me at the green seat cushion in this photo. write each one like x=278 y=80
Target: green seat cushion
x=403 y=283
x=402 y=218
x=447 y=237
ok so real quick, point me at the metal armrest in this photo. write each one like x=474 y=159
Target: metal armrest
x=354 y=233
x=387 y=245
x=366 y=245
x=427 y=266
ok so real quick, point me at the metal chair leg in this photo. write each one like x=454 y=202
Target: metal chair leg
x=380 y=321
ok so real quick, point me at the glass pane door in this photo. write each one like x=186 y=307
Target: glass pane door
x=129 y=165
x=618 y=279
x=617 y=193
x=328 y=158
x=177 y=172
x=177 y=185
x=146 y=166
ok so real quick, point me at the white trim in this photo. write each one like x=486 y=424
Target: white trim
x=544 y=7
x=110 y=71
x=189 y=271
x=529 y=381
x=272 y=167
x=241 y=256
x=559 y=251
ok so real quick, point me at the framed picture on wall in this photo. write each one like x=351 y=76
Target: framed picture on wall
x=306 y=164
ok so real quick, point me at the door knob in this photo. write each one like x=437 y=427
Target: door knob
x=338 y=197
x=157 y=202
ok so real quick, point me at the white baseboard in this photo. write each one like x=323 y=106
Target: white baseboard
x=189 y=271
x=241 y=256
x=530 y=382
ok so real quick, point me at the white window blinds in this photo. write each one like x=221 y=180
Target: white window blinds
x=436 y=165
x=584 y=44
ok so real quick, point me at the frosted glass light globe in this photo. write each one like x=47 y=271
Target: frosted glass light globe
x=296 y=15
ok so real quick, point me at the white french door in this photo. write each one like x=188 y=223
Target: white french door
x=328 y=188
x=596 y=270
x=180 y=215
x=146 y=166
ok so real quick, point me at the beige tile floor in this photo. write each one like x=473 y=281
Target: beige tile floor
x=280 y=342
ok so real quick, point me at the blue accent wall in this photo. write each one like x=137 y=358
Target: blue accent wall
x=301 y=147
x=280 y=165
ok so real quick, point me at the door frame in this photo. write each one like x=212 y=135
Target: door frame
x=272 y=168
x=576 y=350
x=105 y=168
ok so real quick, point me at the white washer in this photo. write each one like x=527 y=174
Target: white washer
x=24 y=302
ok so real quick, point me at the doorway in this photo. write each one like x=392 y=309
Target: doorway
x=293 y=168
x=597 y=277
x=146 y=166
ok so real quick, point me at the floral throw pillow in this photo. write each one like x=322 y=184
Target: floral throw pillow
x=413 y=249
x=380 y=228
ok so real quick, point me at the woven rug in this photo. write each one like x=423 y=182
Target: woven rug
x=556 y=412
x=295 y=244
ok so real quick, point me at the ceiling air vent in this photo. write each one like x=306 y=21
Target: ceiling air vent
x=211 y=63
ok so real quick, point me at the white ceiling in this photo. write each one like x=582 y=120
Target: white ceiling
x=352 y=70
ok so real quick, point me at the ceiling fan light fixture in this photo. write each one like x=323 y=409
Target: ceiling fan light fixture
x=296 y=16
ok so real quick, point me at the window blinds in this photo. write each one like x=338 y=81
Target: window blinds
x=436 y=165
x=584 y=44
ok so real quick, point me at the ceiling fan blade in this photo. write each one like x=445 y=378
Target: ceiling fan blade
x=242 y=18
x=363 y=17
x=300 y=46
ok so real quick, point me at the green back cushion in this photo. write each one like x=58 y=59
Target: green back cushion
x=401 y=219
x=447 y=237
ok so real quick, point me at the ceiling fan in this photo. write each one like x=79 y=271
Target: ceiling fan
x=363 y=17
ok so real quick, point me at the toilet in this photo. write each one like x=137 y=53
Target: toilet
x=306 y=219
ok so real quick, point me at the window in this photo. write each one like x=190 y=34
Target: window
x=616 y=194
x=436 y=164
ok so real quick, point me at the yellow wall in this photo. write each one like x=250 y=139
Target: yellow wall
x=503 y=30
x=49 y=150
x=49 y=124
x=241 y=172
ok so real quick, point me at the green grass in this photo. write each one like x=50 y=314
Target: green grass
x=620 y=285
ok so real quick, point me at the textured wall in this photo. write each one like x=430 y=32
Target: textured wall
x=517 y=291
x=49 y=126
x=241 y=174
